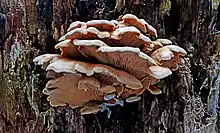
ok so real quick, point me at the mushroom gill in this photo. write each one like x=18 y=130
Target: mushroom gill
x=104 y=63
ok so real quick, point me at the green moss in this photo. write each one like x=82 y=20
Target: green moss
x=215 y=4
x=165 y=7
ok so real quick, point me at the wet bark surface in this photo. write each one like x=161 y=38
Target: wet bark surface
x=190 y=99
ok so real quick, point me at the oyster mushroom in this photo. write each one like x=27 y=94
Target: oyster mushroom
x=90 y=109
x=65 y=89
x=164 y=41
x=131 y=19
x=168 y=56
x=81 y=33
x=128 y=36
x=68 y=49
x=123 y=63
x=141 y=24
x=77 y=24
x=133 y=99
x=132 y=60
x=45 y=59
x=71 y=66
x=103 y=25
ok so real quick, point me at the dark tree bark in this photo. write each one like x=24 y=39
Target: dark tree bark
x=190 y=99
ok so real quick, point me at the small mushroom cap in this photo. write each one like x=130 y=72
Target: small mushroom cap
x=117 y=34
x=74 y=34
x=46 y=59
x=109 y=96
x=103 y=25
x=159 y=72
x=134 y=21
x=90 y=110
x=155 y=90
x=133 y=99
x=168 y=56
x=164 y=41
x=177 y=49
x=77 y=24
x=68 y=49
x=150 y=29
x=162 y=54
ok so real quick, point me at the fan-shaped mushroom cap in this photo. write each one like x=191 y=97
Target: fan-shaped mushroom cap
x=46 y=59
x=141 y=24
x=133 y=99
x=168 y=56
x=131 y=19
x=154 y=90
x=128 y=36
x=71 y=66
x=103 y=25
x=89 y=33
x=164 y=41
x=77 y=24
x=117 y=34
x=68 y=49
x=65 y=89
x=150 y=29
x=159 y=72
x=90 y=109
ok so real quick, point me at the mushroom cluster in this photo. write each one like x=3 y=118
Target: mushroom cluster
x=106 y=63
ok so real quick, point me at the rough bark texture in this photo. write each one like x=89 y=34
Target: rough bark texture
x=190 y=98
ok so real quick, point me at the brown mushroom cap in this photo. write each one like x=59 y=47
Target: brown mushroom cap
x=71 y=66
x=128 y=36
x=168 y=56
x=77 y=24
x=89 y=33
x=65 y=90
x=68 y=49
x=46 y=59
x=131 y=19
x=164 y=41
x=150 y=29
x=141 y=24
x=103 y=25
x=90 y=109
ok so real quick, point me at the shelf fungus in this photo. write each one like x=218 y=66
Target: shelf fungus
x=106 y=63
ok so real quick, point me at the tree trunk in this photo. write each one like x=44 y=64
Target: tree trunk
x=190 y=99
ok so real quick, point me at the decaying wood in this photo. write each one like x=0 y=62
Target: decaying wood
x=190 y=99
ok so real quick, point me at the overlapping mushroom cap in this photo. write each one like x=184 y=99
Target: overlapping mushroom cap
x=104 y=63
